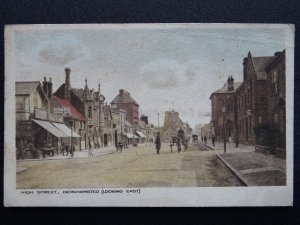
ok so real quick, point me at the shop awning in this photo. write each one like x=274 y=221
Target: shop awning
x=130 y=135
x=50 y=128
x=65 y=129
x=141 y=134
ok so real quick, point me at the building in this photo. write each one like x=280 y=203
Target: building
x=172 y=124
x=251 y=97
x=90 y=104
x=37 y=128
x=124 y=101
x=254 y=110
x=276 y=102
x=219 y=98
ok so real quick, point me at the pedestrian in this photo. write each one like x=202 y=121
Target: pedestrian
x=237 y=139
x=213 y=140
x=205 y=139
x=62 y=148
x=178 y=144
x=157 y=143
x=91 y=152
x=67 y=149
x=72 y=150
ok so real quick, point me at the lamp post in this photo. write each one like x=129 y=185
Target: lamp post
x=71 y=144
x=224 y=133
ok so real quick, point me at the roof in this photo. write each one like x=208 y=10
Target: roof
x=260 y=64
x=27 y=87
x=87 y=93
x=123 y=97
x=78 y=92
x=223 y=90
x=67 y=105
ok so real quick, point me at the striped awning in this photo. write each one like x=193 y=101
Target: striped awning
x=65 y=129
x=141 y=134
x=131 y=136
x=50 y=128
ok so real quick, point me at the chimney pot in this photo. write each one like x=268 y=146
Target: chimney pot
x=50 y=79
x=45 y=79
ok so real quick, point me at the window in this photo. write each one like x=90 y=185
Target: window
x=90 y=112
x=275 y=81
x=20 y=103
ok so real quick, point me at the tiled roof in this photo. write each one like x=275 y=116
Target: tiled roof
x=26 y=88
x=124 y=98
x=78 y=92
x=260 y=63
x=72 y=110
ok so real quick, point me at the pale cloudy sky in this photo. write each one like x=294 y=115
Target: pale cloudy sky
x=162 y=66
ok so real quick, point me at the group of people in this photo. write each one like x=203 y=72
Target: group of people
x=213 y=140
x=179 y=139
x=68 y=148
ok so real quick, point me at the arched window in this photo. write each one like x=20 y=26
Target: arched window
x=90 y=112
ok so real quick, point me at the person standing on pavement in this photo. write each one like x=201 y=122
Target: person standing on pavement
x=157 y=143
x=178 y=144
x=67 y=149
x=62 y=149
x=236 y=139
x=72 y=150
x=213 y=140
x=205 y=139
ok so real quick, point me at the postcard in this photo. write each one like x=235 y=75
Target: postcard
x=149 y=115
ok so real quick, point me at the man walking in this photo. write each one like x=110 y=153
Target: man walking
x=157 y=143
x=205 y=139
x=213 y=140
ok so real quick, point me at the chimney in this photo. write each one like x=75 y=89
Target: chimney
x=47 y=87
x=67 y=84
x=230 y=84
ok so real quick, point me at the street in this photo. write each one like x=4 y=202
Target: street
x=134 y=167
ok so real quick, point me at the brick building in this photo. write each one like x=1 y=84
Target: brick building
x=124 y=101
x=255 y=108
x=251 y=97
x=220 y=97
x=90 y=104
x=276 y=104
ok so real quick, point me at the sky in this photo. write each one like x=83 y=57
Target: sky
x=163 y=66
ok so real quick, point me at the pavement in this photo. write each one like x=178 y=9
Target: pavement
x=78 y=154
x=252 y=168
